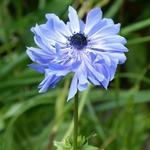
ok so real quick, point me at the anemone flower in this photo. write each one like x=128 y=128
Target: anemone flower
x=91 y=50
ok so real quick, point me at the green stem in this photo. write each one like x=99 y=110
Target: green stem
x=75 y=122
x=81 y=106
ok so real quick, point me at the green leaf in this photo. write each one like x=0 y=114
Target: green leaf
x=89 y=147
x=135 y=27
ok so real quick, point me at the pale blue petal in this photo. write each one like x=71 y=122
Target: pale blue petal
x=82 y=78
x=109 y=39
x=82 y=87
x=92 y=56
x=82 y=75
x=40 y=39
x=107 y=59
x=96 y=58
x=110 y=47
x=58 y=69
x=92 y=78
x=104 y=69
x=93 y=17
x=118 y=56
x=75 y=65
x=96 y=27
x=73 y=87
x=105 y=83
x=37 y=67
x=106 y=31
x=44 y=85
x=94 y=73
x=113 y=68
x=51 y=34
x=44 y=44
x=109 y=21
x=82 y=26
x=38 y=55
x=49 y=82
x=58 y=51
x=74 y=20
x=54 y=23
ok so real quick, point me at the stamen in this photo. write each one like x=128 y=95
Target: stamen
x=78 y=41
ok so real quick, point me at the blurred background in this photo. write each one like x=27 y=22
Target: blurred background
x=116 y=119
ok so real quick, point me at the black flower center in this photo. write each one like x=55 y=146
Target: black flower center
x=78 y=41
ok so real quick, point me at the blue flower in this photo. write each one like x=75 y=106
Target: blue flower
x=91 y=50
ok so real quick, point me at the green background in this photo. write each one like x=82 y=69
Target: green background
x=116 y=119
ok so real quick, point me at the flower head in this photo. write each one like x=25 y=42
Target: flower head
x=91 y=50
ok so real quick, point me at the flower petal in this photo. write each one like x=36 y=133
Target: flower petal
x=113 y=68
x=118 y=56
x=109 y=39
x=82 y=26
x=51 y=34
x=74 y=20
x=37 y=67
x=106 y=31
x=48 y=82
x=40 y=39
x=39 y=55
x=58 y=69
x=93 y=17
x=56 y=24
x=110 y=47
x=96 y=27
x=83 y=82
x=73 y=87
x=99 y=77
x=82 y=87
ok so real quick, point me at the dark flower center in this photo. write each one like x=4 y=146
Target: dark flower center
x=78 y=41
